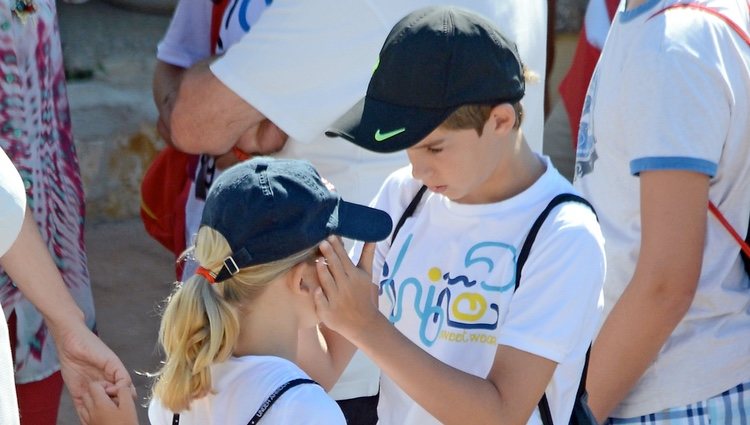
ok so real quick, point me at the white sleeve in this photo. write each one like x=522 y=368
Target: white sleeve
x=12 y=203
x=188 y=38
x=678 y=110
x=305 y=63
x=557 y=306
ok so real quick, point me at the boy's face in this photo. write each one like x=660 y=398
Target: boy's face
x=458 y=164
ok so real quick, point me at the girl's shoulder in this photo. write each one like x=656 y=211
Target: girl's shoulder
x=295 y=405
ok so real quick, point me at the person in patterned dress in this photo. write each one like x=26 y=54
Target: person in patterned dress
x=35 y=132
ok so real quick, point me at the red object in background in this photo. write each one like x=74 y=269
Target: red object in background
x=576 y=82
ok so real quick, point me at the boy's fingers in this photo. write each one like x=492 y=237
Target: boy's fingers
x=338 y=248
x=327 y=282
x=321 y=302
x=334 y=261
x=366 y=257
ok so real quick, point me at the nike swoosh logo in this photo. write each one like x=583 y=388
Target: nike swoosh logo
x=379 y=137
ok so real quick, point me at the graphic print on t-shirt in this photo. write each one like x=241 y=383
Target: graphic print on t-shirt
x=586 y=151
x=459 y=305
x=239 y=17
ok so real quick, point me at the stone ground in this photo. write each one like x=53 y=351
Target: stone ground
x=109 y=53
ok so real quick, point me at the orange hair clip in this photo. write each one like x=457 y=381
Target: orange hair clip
x=207 y=274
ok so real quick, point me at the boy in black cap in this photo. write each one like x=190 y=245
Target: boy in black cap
x=463 y=337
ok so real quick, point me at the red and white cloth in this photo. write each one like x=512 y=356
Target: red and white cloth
x=599 y=14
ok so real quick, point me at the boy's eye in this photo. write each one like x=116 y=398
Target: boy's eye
x=434 y=150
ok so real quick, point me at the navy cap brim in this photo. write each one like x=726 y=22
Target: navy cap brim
x=362 y=223
x=384 y=127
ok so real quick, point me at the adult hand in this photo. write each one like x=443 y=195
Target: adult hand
x=345 y=301
x=99 y=408
x=84 y=359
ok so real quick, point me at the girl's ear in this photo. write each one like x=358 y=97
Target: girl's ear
x=296 y=278
x=502 y=119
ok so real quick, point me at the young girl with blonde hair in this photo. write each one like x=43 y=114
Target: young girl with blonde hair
x=230 y=332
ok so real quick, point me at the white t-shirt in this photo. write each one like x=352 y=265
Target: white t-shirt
x=12 y=207
x=12 y=203
x=447 y=284
x=242 y=384
x=673 y=92
x=188 y=37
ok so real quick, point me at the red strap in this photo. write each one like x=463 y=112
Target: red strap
x=719 y=216
x=217 y=13
x=711 y=207
x=710 y=11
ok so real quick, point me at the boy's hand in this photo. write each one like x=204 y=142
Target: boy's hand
x=345 y=299
x=99 y=408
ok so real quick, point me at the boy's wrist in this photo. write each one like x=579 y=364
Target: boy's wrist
x=365 y=333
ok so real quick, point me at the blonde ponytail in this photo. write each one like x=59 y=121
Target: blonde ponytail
x=200 y=324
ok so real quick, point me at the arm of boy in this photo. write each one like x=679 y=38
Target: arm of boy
x=508 y=395
x=324 y=353
x=99 y=408
x=673 y=217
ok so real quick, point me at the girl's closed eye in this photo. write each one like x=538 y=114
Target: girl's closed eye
x=434 y=150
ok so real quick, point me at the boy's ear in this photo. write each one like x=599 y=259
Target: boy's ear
x=502 y=119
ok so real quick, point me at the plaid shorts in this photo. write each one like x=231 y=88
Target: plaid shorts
x=730 y=407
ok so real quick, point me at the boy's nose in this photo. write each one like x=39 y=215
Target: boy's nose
x=419 y=170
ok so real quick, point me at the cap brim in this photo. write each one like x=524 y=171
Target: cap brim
x=384 y=127
x=362 y=223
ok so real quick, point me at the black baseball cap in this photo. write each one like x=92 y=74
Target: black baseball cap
x=268 y=209
x=434 y=60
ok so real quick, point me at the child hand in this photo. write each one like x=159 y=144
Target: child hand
x=345 y=299
x=99 y=408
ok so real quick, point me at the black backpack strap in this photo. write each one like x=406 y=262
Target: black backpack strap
x=582 y=383
x=409 y=211
x=526 y=248
x=544 y=410
x=275 y=395
x=266 y=404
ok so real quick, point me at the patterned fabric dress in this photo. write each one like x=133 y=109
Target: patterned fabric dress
x=35 y=132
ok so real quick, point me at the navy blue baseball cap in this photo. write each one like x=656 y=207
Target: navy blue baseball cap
x=434 y=61
x=268 y=209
